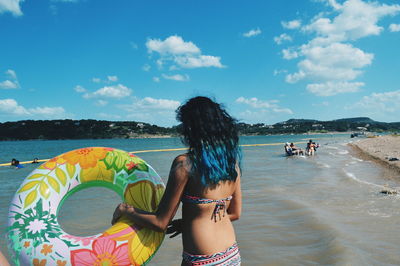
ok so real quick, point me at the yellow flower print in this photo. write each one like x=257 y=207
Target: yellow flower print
x=52 y=163
x=144 y=195
x=86 y=157
x=99 y=172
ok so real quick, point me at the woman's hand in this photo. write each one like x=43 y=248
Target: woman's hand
x=121 y=209
x=174 y=228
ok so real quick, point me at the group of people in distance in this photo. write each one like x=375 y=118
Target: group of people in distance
x=292 y=149
x=15 y=163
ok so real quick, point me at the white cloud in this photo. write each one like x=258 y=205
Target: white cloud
x=252 y=33
x=117 y=91
x=79 y=89
x=49 y=112
x=11 y=82
x=151 y=110
x=149 y=103
x=394 y=27
x=198 y=61
x=282 y=38
x=112 y=78
x=101 y=103
x=385 y=105
x=329 y=59
x=293 y=24
x=330 y=88
x=8 y=84
x=134 y=45
x=146 y=67
x=356 y=19
x=174 y=50
x=295 y=77
x=256 y=116
x=11 y=73
x=12 y=6
x=160 y=63
x=289 y=54
x=337 y=55
x=333 y=3
x=172 y=45
x=324 y=103
x=176 y=77
x=337 y=61
x=279 y=71
x=156 y=79
x=271 y=105
x=11 y=107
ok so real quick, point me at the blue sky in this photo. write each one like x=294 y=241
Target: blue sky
x=266 y=61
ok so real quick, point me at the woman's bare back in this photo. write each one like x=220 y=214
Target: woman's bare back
x=207 y=230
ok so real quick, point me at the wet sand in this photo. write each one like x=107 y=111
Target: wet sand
x=383 y=150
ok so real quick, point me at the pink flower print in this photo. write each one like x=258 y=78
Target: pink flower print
x=104 y=252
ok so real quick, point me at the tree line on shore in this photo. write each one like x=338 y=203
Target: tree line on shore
x=100 y=129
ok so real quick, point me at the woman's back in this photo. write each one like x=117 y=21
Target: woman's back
x=207 y=224
x=207 y=181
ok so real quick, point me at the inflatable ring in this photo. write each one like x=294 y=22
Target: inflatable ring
x=34 y=234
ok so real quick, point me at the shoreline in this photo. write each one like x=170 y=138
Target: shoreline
x=160 y=136
x=382 y=150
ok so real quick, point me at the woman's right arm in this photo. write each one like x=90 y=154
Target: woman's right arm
x=169 y=203
x=235 y=207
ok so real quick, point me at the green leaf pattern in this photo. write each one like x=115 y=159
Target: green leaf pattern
x=40 y=184
x=120 y=160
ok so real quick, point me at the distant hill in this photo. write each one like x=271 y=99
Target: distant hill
x=99 y=129
x=79 y=129
x=299 y=126
x=298 y=121
x=357 y=120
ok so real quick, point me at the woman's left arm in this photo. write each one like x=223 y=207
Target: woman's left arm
x=235 y=207
x=169 y=203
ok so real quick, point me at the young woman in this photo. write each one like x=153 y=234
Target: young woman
x=207 y=181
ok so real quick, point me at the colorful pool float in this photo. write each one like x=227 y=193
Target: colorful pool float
x=34 y=234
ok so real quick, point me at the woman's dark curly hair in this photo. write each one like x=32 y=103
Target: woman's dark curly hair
x=213 y=140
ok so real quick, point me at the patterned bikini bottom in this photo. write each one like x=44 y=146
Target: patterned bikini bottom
x=230 y=256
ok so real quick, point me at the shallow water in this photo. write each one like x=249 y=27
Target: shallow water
x=324 y=209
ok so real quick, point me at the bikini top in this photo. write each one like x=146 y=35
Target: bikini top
x=220 y=204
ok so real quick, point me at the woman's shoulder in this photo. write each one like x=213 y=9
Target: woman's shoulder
x=182 y=164
x=182 y=159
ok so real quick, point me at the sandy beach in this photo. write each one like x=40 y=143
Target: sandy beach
x=383 y=149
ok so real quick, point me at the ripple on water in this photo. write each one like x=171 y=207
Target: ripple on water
x=352 y=176
x=284 y=231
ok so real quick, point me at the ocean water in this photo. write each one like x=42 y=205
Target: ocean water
x=306 y=210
